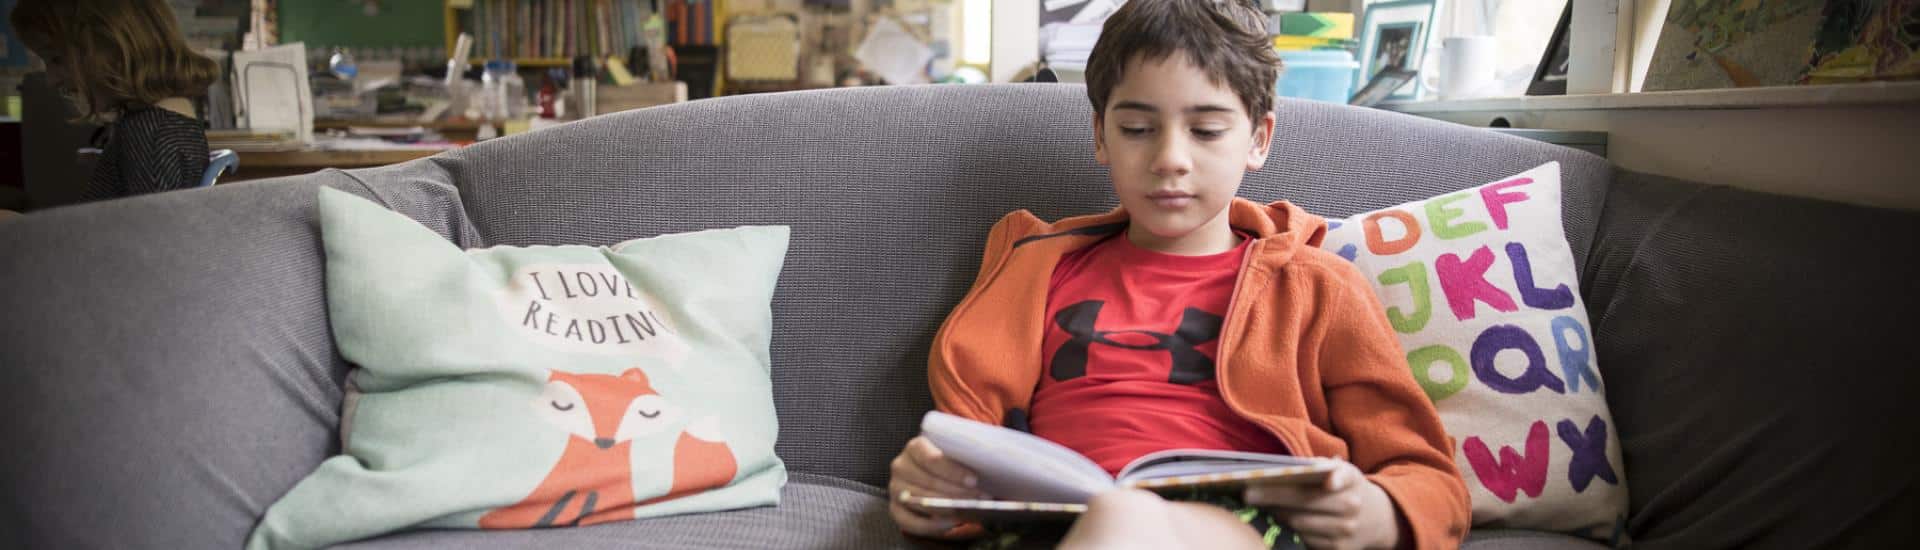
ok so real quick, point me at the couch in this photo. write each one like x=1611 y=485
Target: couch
x=169 y=369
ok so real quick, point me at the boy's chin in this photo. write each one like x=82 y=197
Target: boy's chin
x=1167 y=232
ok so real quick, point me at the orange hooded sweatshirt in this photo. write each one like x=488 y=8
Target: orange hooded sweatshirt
x=1305 y=352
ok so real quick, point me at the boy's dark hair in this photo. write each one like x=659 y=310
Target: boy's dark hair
x=1226 y=39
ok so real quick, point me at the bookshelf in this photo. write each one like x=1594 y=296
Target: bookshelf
x=547 y=33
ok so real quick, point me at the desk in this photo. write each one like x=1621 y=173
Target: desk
x=273 y=164
x=459 y=131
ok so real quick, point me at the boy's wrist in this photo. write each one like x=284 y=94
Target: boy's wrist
x=1395 y=531
x=1399 y=535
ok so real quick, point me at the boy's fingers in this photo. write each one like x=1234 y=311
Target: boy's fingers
x=898 y=489
x=916 y=474
x=938 y=465
x=1322 y=543
x=1319 y=531
x=1325 y=525
x=916 y=523
x=1343 y=477
x=1291 y=498
x=1277 y=495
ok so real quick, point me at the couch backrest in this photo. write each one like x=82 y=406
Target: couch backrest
x=890 y=192
x=1758 y=356
x=169 y=371
x=169 y=356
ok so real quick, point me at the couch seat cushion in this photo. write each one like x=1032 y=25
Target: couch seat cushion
x=814 y=512
x=1522 y=539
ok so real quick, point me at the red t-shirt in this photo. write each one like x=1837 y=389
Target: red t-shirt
x=1127 y=367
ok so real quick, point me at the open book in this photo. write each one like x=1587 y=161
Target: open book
x=1030 y=476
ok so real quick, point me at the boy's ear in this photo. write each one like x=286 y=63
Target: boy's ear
x=1099 y=140
x=1262 y=142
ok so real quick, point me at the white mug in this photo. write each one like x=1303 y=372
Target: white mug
x=1467 y=67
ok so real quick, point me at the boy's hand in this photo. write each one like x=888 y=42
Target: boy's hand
x=1347 y=511
x=924 y=471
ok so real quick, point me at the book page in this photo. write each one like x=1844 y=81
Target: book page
x=1194 y=467
x=1016 y=466
x=1187 y=455
x=1185 y=467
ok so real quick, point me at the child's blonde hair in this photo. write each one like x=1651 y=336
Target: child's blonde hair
x=115 y=55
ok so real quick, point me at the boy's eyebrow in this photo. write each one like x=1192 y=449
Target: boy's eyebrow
x=1196 y=109
x=1210 y=108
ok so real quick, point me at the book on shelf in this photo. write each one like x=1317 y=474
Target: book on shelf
x=550 y=30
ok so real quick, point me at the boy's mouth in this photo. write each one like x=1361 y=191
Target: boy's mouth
x=1171 y=199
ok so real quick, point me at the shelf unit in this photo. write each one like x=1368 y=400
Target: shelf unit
x=1773 y=97
x=458 y=14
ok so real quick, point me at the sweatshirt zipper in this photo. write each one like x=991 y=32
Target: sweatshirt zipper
x=1226 y=337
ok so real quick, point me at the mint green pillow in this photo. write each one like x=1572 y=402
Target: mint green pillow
x=514 y=387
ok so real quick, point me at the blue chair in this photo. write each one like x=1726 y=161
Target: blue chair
x=218 y=162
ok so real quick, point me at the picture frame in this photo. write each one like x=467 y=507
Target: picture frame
x=1550 y=77
x=1717 y=44
x=1396 y=34
x=1382 y=84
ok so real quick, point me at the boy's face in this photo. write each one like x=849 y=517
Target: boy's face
x=1176 y=145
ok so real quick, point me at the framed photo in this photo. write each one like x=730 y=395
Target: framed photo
x=1376 y=90
x=1550 y=78
x=1395 y=34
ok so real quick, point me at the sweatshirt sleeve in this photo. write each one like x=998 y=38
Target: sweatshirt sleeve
x=1392 y=430
x=959 y=390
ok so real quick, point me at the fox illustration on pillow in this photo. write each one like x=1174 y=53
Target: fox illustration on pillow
x=593 y=480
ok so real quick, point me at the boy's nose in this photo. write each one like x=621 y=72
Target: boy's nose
x=1172 y=159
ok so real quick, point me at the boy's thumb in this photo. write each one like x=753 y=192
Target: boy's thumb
x=1341 y=478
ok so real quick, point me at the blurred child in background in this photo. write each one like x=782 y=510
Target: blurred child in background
x=125 y=64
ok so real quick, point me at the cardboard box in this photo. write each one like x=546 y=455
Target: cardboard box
x=613 y=99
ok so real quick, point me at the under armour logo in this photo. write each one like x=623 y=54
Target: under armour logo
x=1189 y=365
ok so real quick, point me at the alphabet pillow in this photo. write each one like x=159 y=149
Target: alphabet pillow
x=1481 y=288
x=543 y=386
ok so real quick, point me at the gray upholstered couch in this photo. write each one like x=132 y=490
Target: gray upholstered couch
x=169 y=372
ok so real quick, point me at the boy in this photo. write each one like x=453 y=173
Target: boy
x=1190 y=319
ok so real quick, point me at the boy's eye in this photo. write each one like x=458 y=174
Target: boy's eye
x=1207 y=133
x=1134 y=130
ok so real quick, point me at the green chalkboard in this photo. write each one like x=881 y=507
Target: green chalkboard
x=327 y=23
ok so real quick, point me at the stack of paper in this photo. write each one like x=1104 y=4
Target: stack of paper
x=251 y=141
x=1066 y=46
x=894 y=53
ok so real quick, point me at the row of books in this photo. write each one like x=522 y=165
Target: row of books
x=1312 y=31
x=565 y=28
x=689 y=21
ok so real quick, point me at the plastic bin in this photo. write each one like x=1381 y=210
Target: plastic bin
x=1321 y=75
